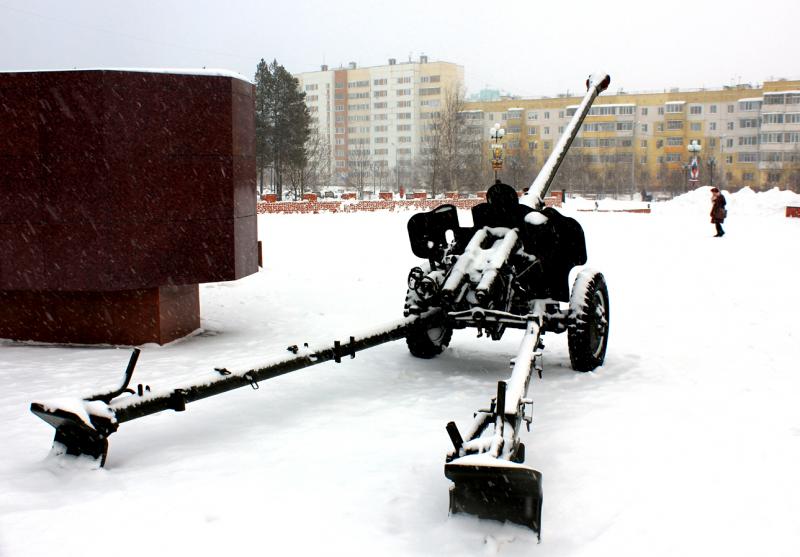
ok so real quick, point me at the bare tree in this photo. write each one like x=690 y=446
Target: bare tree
x=359 y=168
x=313 y=172
x=445 y=144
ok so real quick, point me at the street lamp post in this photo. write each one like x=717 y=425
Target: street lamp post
x=496 y=133
x=694 y=166
x=711 y=162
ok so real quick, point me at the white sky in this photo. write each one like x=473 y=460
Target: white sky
x=525 y=47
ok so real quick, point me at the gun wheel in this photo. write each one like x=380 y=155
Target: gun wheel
x=428 y=342
x=587 y=332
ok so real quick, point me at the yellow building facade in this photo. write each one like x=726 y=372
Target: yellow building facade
x=748 y=136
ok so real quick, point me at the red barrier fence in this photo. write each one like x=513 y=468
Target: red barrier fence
x=338 y=206
x=793 y=212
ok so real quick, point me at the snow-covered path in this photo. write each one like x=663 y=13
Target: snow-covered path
x=686 y=442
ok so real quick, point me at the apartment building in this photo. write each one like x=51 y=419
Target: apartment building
x=748 y=136
x=374 y=117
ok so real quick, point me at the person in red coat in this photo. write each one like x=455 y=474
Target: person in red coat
x=718 y=211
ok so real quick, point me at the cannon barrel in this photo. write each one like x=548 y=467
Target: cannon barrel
x=596 y=84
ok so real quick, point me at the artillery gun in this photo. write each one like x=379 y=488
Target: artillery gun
x=509 y=270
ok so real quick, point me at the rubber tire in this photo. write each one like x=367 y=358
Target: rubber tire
x=587 y=332
x=429 y=342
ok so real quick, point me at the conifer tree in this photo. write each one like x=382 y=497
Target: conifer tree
x=282 y=121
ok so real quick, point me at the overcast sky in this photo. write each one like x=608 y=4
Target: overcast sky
x=529 y=48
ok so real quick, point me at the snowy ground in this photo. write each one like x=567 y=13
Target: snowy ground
x=687 y=441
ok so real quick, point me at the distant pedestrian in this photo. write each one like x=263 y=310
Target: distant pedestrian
x=718 y=211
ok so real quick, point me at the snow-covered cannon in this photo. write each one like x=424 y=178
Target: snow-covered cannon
x=510 y=269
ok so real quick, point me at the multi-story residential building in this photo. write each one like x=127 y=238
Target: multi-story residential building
x=374 y=117
x=748 y=136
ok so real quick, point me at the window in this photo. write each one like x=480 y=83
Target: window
x=339 y=130
x=403 y=92
x=772 y=118
x=729 y=159
x=674 y=124
x=747 y=176
x=513 y=144
x=358 y=118
x=424 y=91
x=533 y=130
x=546 y=130
x=792 y=137
x=712 y=142
x=546 y=115
x=433 y=103
x=381 y=81
x=643 y=143
x=381 y=152
x=404 y=116
x=713 y=109
x=312 y=87
x=773 y=176
x=560 y=129
x=404 y=80
x=381 y=117
x=339 y=85
x=644 y=111
x=533 y=116
x=623 y=110
x=548 y=145
x=695 y=109
x=364 y=106
x=404 y=127
x=381 y=93
x=771 y=138
x=643 y=160
x=339 y=141
x=730 y=108
x=792 y=98
x=660 y=110
x=660 y=127
x=772 y=98
x=674 y=108
x=792 y=118
x=673 y=157
x=312 y=98
x=380 y=105
x=339 y=96
x=695 y=126
x=729 y=125
x=747 y=157
x=673 y=141
x=644 y=128
x=748 y=123
x=513 y=129
x=313 y=109
x=404 y=151
x=381 y=140
x=729 y=142
x=403 y=104
x=712 y=126
x=361 y=95
x=339 y=108
x=748 y=140
x=749 y=105
x=354 y=84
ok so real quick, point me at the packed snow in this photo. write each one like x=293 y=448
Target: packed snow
x=686 y=442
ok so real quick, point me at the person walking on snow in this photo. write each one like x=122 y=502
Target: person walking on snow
x=718 y=211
